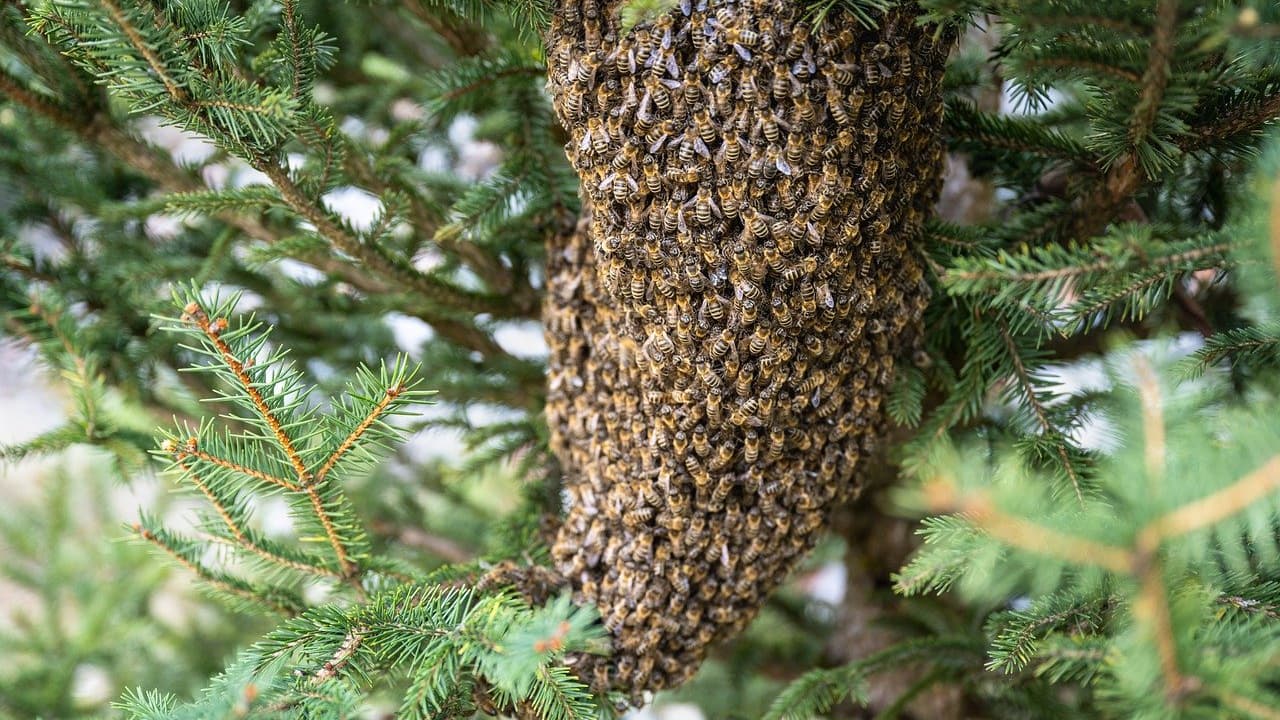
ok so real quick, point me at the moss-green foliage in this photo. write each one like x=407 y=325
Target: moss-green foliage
x=1128 y=205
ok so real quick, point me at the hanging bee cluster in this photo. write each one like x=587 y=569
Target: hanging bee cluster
x=725 y=322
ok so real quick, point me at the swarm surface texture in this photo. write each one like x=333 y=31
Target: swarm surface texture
x=725 y=322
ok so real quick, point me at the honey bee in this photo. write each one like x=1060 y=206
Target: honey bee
x=775 y=162
x=783 y=84
x=596 y=138
x=691 y=144
x=704 y=206
x=742 y=40
x=759 y=340
x=638 y=286
x=755 y=223
x=720 y=348
x=714 y=405
x=744 y=379
x=621 y=185
x=712 y=307
x=686 y=175
x=679 y=582
x=905 y=65
x=751 y=446
x=844 y=140
x=799 y=41
x=795 y=150
x=782 y=313
x=635 y=518
x=722 y=96
x=748 y=92
x=584 y=68
x=697 y=526
x=839 y=74
x=805 y=110
x=701 y=478
x=802 y=269
x=875 y=72
x=723 y=457
x=890 y=165
x=771 y=127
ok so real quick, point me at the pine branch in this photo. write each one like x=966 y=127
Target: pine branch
x=220 y=583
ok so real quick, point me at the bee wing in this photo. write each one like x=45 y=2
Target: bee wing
x=701 y=148
x=743 y=53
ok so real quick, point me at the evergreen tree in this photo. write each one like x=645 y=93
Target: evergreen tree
x=169 y=168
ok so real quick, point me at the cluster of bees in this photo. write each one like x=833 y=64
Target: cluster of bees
x=725 y=322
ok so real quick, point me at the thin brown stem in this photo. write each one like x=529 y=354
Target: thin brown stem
x=242 y=469
x=341 y=656
x=140 y=44
x=201 y=573
x=242 y=538
x=1038 y=409
x=431 y=289
x=357 y=432
x=1156 y=77
x=462 y=37
x=1023 y=534
x=1249 y=706
x=1153 y=432
x=1216 y=507
x=306 y=481
x=1152 y=607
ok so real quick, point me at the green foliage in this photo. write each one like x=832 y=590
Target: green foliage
x=69 y=618
x=143 y=144
x=356 y=620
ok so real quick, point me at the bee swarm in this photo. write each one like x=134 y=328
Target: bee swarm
x=724 y=323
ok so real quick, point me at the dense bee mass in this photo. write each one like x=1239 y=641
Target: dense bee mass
x=725 y=322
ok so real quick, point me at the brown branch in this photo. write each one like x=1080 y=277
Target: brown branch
x=1153 y=432
x=372 y=257
x=1152 y=606
x=341 y=657
x=1042 y=416
x=306 y=481
x=1245 y=118
x=440 y=546
x=241 y=537
x=161 y=170
x=1273 y=225
x=204 y=575
x=1249 y=706
x=463 y=38
x=1215 y=507
x=194 y=314
x=242 y=469
x=487 y=266
x=1156 y=77
x=1017 y=532
x=139 y=43
x=357 y=432
x=1038 y=276
x=1099 y=67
